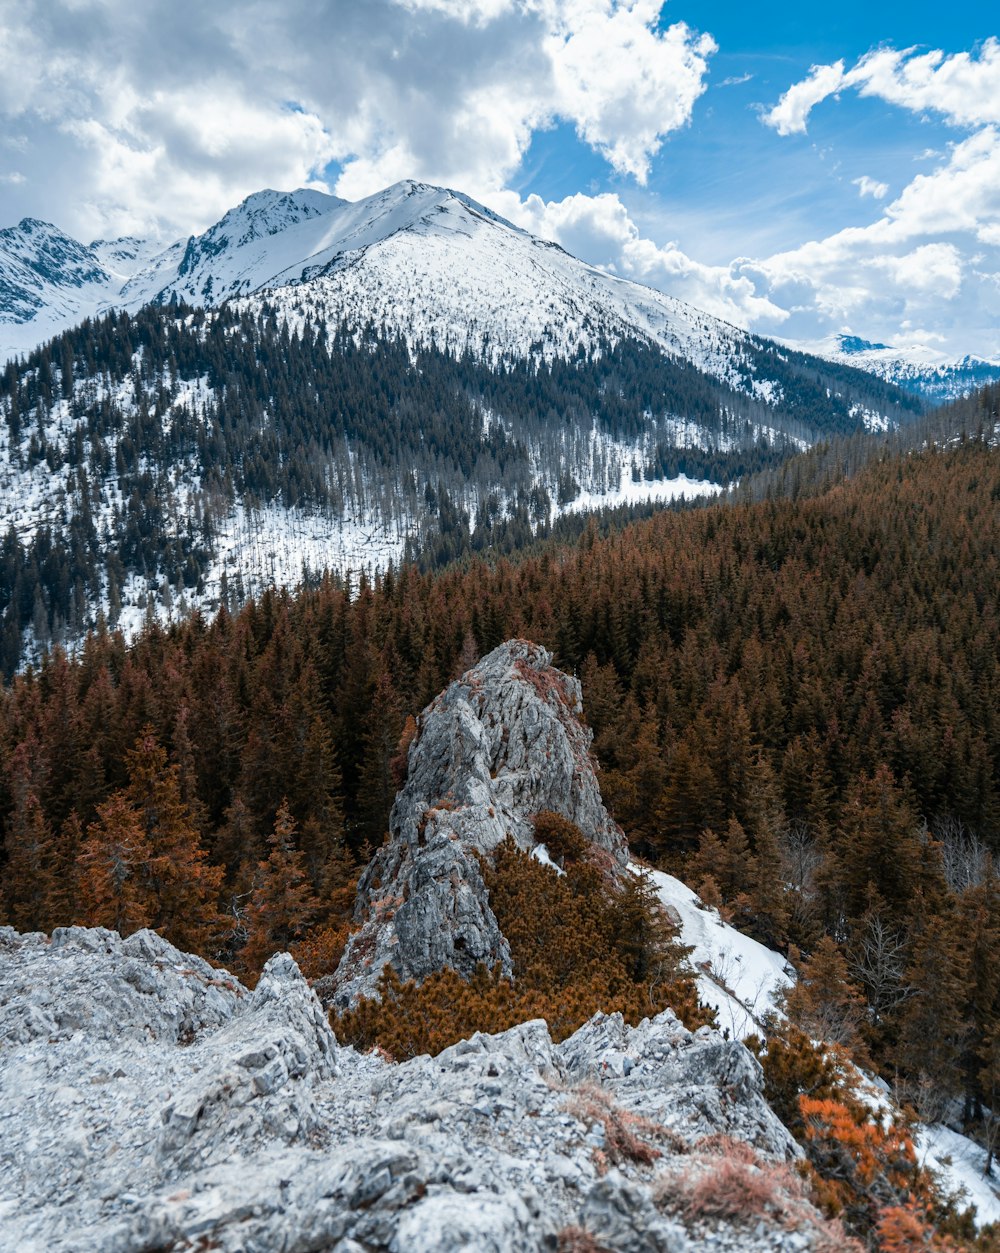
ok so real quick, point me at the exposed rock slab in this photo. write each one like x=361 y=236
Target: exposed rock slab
x=498 y=746
x=227 y=1119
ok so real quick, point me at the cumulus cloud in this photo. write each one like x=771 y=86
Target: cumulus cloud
x=931 y=260
x=924 y=271
x=621 y=81
x=165 y=114
x=791 y=114
x=963 y=88
x=932 y=257
x=600 y=229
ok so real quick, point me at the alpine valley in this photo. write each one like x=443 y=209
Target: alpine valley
x=316 y=385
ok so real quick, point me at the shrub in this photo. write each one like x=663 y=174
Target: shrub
x=580 y=942
x=623 y=1129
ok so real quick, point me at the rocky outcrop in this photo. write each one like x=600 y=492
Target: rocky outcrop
x=149 y=1102
x=498 y=746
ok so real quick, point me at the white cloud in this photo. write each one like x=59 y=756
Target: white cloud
x=790 y=115
x=174 y=109
x=925 y=271
x=600 y=229
x=871 y=187
x=930 y=260
x=963 y=88
x=932 y=257
x=622 y=82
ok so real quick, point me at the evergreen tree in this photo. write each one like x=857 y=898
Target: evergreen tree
x=112 y=867
x=186 y=886
x=282 y=904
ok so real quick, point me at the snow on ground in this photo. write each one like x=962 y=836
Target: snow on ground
x=959 y=1163
x=738 y=977
x=541 y=854
x=633 y=492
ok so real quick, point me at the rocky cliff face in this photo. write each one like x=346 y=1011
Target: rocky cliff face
x=149 y=1102
x=498 y=746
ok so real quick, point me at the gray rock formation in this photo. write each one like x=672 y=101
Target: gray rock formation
x=149 y=1102
x=498 y=746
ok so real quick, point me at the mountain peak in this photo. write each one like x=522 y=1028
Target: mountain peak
x=855 y=344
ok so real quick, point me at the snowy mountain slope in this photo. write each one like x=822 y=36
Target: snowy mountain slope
x=424 y=262
x=917 y=368
x=738 y=977
x=222 y=427
x=434 y=266
x=192 y=468
x=49 y=281
x=268 y=238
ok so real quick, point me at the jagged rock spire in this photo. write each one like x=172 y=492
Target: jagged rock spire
x=499 y=745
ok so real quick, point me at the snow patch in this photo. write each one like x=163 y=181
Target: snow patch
x=959 y=1163
x=738 y=977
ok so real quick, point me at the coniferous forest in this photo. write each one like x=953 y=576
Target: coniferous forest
x=796 y=707
x=139 y=435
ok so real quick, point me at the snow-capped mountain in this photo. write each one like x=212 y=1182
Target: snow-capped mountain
x=915 y=368
x=314 y=384
x=49 y=281
x=427 y=263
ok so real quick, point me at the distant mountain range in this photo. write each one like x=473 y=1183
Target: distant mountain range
x=924 y=371
x=314 y=384
x=422 y=261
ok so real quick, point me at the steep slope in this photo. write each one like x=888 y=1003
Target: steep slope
x=252 y=246
x=179 y=453
x=49 y=281
x=501 y=744
x=408 y=373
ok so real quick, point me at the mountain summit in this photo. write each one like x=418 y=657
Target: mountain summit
x=314 y=384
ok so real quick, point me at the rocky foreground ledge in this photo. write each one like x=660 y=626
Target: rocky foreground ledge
x=150 y=1102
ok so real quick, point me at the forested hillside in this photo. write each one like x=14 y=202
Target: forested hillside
x=794 y=691
x=182 y=457
x=795 y=705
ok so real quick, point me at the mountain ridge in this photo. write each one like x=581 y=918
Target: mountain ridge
x=347 y=254
x=917 y=368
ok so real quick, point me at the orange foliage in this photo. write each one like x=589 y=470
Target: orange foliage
x=861 y=1167
x=579 y=943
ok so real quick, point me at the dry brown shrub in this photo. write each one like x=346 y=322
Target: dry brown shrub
x=732 y=1189
x=721 y=1145
x=729 y=1181
x=578 y=1240
x=622 y=1128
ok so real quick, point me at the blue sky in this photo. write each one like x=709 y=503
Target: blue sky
x=690 y=146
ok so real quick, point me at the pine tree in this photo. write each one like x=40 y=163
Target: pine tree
x=113 y=863
x=825 y=1002
x=282 y=904
x=932 y=1027
x=29 y=882
x=185 y=884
